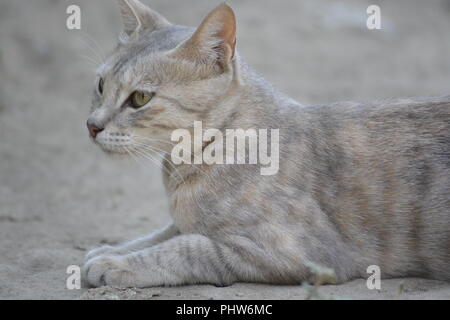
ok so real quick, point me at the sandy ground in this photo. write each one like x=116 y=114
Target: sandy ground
x=59 y=195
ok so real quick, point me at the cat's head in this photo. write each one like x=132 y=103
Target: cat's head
x=160 y=77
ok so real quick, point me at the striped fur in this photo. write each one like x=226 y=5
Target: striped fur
x=358 y=184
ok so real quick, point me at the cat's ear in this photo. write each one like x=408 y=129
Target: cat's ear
x=137 y=17
x=214 y=41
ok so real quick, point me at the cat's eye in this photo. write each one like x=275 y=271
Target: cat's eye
x=140 y=98
x=100 y=85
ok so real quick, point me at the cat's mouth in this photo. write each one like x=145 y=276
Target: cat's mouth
x=114 y=142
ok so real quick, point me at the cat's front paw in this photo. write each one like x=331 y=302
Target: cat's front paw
x=109 y=270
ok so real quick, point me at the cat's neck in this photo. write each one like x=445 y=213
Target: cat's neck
x=248 y=101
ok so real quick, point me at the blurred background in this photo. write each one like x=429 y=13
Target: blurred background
x=60 y=195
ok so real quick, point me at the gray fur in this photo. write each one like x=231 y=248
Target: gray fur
x=358 y=184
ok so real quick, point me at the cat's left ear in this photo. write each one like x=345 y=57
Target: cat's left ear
x=138 y=17
x=214 y=41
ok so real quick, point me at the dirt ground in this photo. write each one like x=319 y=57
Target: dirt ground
x=60 y=195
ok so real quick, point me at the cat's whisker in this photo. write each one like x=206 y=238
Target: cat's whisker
x=166 y=152
x=192 y=196
x=96 y=56
x=95 y=42
x=145 y=155
x=138 y=155
x=153 y=139
x=163 y=151
x=89 y=59
x=133 y=156
x=148 y=156
x=191 y=165
x=149 y=148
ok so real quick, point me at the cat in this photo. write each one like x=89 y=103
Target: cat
x=358 y=184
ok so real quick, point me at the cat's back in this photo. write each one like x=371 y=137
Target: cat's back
x=387 y=112
x=408 y=127
x=380 y=172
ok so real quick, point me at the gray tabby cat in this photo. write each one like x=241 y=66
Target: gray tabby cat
x=358 y=184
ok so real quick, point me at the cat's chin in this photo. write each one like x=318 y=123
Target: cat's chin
x=113 y=150
x=115 y=153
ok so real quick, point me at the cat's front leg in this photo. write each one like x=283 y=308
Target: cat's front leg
x=152 y=239
x=185 y=259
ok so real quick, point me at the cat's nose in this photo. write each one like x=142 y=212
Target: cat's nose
x=93 y=129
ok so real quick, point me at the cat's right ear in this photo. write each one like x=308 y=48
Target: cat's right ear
x=214 y=41
x=138 y=17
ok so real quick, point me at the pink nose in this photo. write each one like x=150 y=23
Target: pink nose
x=93 y=130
